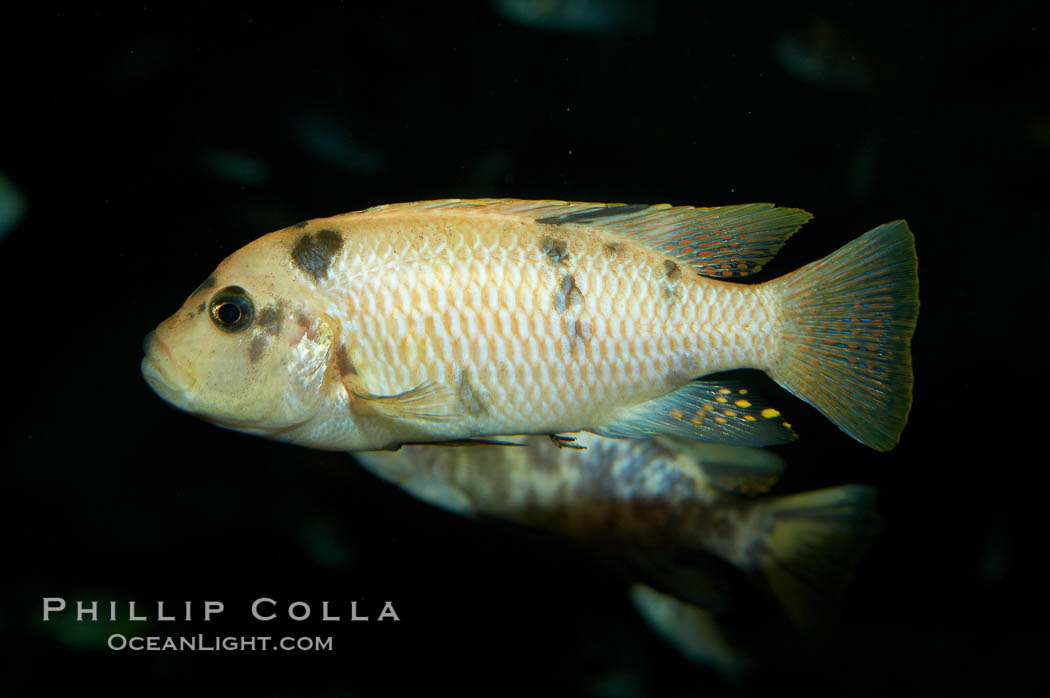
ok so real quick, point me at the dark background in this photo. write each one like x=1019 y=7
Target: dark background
x=140 y=147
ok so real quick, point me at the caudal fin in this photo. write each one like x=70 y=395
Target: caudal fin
x=813 y=543
x=847 y=322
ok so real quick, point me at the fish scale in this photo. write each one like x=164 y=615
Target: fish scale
x=448 y=320
x=458 y=283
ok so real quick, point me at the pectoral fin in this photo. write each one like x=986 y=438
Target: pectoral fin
x=429 y=402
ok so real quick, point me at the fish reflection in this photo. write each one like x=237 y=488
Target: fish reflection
x=684 y=518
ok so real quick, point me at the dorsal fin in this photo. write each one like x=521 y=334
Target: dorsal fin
x=720 y=242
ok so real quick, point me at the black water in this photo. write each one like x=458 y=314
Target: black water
x=145 y=145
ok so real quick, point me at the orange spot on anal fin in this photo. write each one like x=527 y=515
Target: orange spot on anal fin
x=709 y=420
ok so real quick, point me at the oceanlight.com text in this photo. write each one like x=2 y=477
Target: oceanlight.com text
x=217 y=643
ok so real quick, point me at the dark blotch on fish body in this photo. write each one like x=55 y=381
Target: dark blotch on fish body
x=582 y=329
x=470 y=397
x=300 y=224
x=578 y=333
x=313 y=253
x=672 y=273
x=612 y=248
x=567 y=294
x=342 y=359
x=270 y=320
x=555 y=250
x=256 y=348
x=200 y=308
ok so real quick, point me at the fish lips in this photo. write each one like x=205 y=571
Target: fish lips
x=162 y=372
x=175 y=386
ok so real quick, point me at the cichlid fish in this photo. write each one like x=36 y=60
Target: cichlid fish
x=455 y=319
x=683 y=516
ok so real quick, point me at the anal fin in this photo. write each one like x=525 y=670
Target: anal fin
x=721 y=411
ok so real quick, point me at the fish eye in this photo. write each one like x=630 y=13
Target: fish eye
x=232 y=309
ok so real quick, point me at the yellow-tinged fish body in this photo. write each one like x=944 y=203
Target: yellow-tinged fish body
x=455 y=319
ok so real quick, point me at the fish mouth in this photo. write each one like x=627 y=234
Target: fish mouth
x=178 y=387
x=162 y=372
